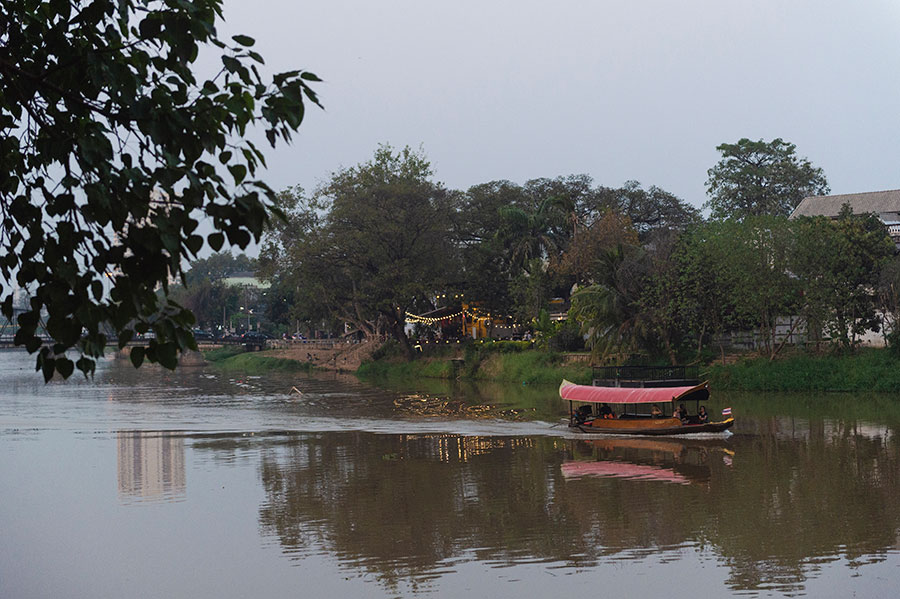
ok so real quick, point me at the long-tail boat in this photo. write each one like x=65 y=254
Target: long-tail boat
x=638 y=416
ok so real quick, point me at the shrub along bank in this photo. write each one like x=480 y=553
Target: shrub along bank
x=868 y=369
x=499 y=361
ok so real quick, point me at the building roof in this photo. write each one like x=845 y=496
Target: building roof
x=876 y=202
x=245 y=279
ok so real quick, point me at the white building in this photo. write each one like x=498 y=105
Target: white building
x=884 y=204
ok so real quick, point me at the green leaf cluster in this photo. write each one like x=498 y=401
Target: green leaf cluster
x=112 y=151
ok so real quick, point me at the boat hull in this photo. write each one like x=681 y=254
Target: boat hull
x=666 y=426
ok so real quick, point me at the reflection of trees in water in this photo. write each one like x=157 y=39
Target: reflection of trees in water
x=879 y=411
x=402 y=505
x=405 y=507
x=793 y=504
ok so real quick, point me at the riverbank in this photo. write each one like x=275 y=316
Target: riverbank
x=234 y=357
x=868 y=370
x=502 y=363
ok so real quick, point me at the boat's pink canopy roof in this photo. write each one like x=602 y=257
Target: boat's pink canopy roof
x=623 y=395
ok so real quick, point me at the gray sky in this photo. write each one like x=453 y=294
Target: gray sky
x=627 y=89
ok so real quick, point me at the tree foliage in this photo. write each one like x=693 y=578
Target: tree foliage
x=210 y=301
x=839 y=264
x=752 y=262
x=373 y=241
x=609 y=311
x=112 y=151
x=653 y=278
x=218 y=266
x=649 y=210
x=583 y=258
x=757 y=178
x=888 y=291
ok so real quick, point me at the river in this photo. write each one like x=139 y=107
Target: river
x=201 y=483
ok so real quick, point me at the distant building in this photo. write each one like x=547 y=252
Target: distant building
x=884 y=204
x=558 y=307
x=245 y=279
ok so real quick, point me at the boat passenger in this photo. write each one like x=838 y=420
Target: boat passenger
x=676 y=413
x=685 y=417
x=583 y=414
x=703 y=416
x=655 y=412
x=606 y=411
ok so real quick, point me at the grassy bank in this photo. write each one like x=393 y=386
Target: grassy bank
x=221 y=354
x=235 y=358
x=870 y=369
x=524 y=367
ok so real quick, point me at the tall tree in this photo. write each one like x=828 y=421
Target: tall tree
x=382 y=243
x=111 y=152
x=889 y=297
x=752 y=260
x=756 y=178
x=285 y=257
x=661 y=299
x=572 y=197
x=838 y=264
x=480 y=209
x=486 y=271
x=702 y=298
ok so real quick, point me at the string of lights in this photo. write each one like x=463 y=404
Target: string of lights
x=416 y=318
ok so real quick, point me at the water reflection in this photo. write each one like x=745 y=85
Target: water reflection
x=150 y=466
x=403 y=505
x=803 y=494
x=408 y=507
x=648 y=459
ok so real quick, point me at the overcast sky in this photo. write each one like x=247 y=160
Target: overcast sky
x=620 y=90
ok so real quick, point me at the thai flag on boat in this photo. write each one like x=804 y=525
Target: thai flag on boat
x=726 y=412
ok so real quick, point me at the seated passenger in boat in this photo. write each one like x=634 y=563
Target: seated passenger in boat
x=676 y=413
x=703 y=416
x=655 y=412
x=606 y=411
x=683 y=414
x=584 y=414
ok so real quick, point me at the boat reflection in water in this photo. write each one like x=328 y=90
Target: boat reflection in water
x=663 y=460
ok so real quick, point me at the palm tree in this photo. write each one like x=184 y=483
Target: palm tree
x=608 y=310
x=531 y=235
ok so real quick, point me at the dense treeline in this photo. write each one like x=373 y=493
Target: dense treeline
x=216 y=305
x=646 y=273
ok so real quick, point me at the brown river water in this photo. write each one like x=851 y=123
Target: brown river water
x=204 y=483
